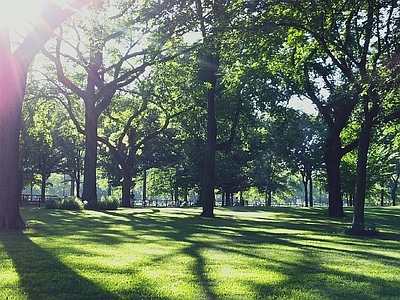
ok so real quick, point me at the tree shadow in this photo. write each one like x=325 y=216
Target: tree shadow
x=43 y=276
x=297 y=230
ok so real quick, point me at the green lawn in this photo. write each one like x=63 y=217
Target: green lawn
x=172 y=253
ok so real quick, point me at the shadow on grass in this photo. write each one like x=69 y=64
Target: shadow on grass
x=43 y=276
x=308 y=276
x=311 y=278
x=303 y=235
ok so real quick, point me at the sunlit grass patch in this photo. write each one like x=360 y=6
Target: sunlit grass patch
x=9 y=279
x=173 y=253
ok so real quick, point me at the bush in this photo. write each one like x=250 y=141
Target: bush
x=107 y=203
x=68 y=203
x=53 y=203
x=71 y=203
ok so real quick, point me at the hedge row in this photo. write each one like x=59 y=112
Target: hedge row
x=74 y=203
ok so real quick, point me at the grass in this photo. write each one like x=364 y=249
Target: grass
x=173 y=253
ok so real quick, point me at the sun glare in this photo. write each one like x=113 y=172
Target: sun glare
x=20 y=15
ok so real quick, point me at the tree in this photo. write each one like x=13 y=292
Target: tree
x=269 y=141
x=170 y=125
x=340 y=51
x=107 y=60
x=307 y=151
x=13 y=76
x=131 y=134
x=41 y=140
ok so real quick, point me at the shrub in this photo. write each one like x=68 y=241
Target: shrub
x=71 y=203
x=53 y=203
x=107 y=203
x=68 y=203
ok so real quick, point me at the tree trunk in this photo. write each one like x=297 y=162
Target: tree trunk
x=394 y=190
x=361 y=181
x=185 y=195
x=109 y=189
x=78 y=184
x=269 y=198
x=92 y=112
x=211 y=67
x=176 y=192
x=144 y=198
x=311 y=188
x=72 y=186
x=126 y=186
x=90 y=163
x=43 y=189
x=13 y=72
x=332 y=157
x=305 y=184
x=12 y=89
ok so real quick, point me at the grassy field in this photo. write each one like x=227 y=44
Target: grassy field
x=172 y=253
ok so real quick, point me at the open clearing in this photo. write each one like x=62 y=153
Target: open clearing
x=173 y=253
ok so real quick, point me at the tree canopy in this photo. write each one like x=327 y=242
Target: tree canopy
x=200 y=91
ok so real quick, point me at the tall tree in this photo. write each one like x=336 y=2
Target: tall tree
x=41 y=140
x=13 y=76
x=306 y=152
x=340 y=50
x=216 y=23
x=105 y=56
x=106 y=60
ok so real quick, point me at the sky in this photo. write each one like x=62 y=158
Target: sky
x=19 y=15
x=303 y=104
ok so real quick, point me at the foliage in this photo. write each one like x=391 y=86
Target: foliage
x=71 y=203
x=150 y=105
x=53 y=203
x=108 y=203
x=67 y=203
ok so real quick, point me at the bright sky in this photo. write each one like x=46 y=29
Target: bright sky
x=16 y=14
x=19 y=15
x=304 y=105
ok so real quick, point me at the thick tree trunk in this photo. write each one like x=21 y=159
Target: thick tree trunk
x=126 y=186
x=362 y=159
x=361 y=181
x=209 y=168
x=43 y=188
x=13 y=73
x=89 y=171
x=211 y=66
x=305 y=184
x=269 y=198
x=333 y=157
x=12 y=89
x=311 y=188
x=176 y=194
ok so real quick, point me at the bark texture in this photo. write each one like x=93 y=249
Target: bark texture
x=13 y=73
x=212 y=65
x=12 y=87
